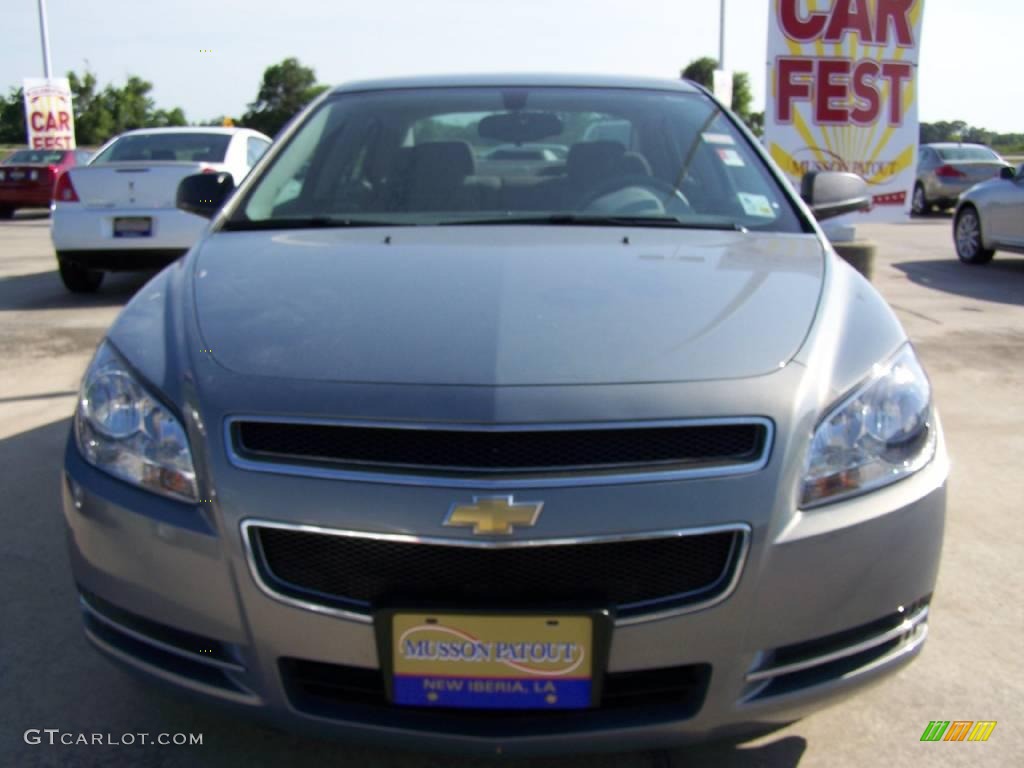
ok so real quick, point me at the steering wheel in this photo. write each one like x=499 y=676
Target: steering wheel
x=665 y=193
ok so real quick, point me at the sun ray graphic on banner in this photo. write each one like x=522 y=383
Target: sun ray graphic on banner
x=843 y=91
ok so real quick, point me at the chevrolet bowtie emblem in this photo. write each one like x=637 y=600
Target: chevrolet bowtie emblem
x=494 y=515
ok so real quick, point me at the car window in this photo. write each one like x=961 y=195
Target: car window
x=82 y=157
x=438 y=155
x=967 y=154
x=35 y=156
x=166 y=147
x=254 y=150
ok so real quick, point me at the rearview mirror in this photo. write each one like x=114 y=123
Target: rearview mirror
x=1008 y=173
x=204 y=193
x=834 y=193
x=520 y=127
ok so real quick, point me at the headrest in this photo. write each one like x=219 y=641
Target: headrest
x=591 y=159
x=634 y=164
x=443 y=158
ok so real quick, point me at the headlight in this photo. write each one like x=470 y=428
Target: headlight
x=3 y=175
x=880 y=434
x=122 y=429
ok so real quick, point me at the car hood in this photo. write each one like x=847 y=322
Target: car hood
x=505 y=305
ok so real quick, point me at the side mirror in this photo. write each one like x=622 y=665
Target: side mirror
x=1008 y=173
x=204 y=193
x=833 y=193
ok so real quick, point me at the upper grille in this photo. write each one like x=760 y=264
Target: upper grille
x=519 y=452
x=357 y=573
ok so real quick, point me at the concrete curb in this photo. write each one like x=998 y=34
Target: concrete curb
x=859 y=254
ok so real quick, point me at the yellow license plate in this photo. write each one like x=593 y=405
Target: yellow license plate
x=492 y=661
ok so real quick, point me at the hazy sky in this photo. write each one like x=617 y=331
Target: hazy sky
x=970 y=62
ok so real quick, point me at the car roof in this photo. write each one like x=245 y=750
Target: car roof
x=189 y=129
x=951 y=144
x=519 y=80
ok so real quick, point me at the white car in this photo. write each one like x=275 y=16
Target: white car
x=118 y=212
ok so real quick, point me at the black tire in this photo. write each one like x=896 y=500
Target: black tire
x=78 y=279
x=6 y=212
x=919 y=205
x=970 y=246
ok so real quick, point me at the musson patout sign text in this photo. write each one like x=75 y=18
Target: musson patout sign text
x=842 y=80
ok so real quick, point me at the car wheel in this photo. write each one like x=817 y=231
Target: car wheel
x=6 y=212
x=967 y=234
x=919 y=204
x=78 y=279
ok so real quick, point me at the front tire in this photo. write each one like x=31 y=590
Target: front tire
x=78 y=279
x=970 y=247
x=919 y=204
x=6 y=212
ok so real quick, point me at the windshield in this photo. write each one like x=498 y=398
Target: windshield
x=172 y=147
x=495 y=155
x=967 y=155
x=35 y=156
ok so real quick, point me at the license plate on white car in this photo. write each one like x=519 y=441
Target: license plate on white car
x=133 y=226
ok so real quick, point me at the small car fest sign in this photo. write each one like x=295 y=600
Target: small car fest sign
x=48 y=116
x=842 y=94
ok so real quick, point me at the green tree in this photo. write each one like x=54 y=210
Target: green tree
x=742 y=96
x=93 y=122
x=12 y=117
x=702 y=71
x=163 y=118
x=286 y=88
x=130 y=106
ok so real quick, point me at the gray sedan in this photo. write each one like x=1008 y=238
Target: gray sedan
x=946 y=170
x=609 y=455
x=990 y=217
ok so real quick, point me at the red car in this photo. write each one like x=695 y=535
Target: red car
x=28 y=175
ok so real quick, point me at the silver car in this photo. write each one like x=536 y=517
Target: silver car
x=946 y=170
x=614 y=455
x=990 y=217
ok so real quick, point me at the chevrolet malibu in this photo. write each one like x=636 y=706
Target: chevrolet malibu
x=605 y=451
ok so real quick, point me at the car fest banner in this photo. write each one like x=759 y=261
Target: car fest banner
x=842 y=94
x=48 y=116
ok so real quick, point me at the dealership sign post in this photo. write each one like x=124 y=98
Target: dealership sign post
x=842 y=94
x=48 y=116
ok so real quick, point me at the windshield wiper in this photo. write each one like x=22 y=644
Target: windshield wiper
x=309 y=222
x=590 y=220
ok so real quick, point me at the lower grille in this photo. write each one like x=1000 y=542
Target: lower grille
x=802 y=665
x=357 y=572
x=354 y=693
x=182 y=656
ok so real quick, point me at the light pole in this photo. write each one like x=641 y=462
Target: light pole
x=721 y=35
x=45 y=34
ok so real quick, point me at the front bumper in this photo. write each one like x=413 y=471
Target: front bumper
x=832 y=601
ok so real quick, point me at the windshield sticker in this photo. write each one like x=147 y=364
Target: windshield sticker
x=718 y=138
x=756 y=205
x=731 y=157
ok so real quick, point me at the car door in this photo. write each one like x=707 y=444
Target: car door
x=1006 y=211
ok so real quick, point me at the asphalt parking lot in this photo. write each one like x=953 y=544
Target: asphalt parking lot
x=968 y=324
